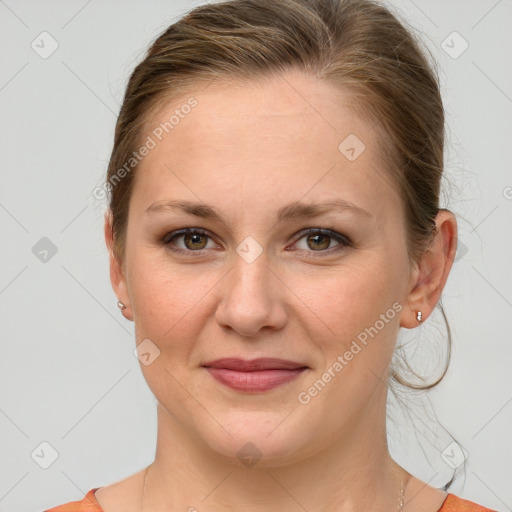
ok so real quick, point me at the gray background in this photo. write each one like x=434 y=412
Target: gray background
x=68 y=374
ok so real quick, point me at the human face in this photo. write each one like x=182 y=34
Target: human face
x=248 y=151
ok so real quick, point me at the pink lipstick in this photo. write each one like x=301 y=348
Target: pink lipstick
x=254 y=375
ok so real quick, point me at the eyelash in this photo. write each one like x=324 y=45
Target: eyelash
x=343 y=240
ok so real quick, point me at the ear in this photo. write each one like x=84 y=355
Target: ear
x=117 y=278
x=432 y=271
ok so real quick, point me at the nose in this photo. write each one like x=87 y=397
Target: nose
x=252 y=298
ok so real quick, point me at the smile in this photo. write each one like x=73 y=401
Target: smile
x=254 y=376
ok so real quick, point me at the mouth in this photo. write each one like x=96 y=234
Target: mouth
x=254 y=375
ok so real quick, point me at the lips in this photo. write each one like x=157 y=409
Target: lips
x=245 y=365
x=254 y=375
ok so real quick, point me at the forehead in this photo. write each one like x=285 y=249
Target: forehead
x=244 y=140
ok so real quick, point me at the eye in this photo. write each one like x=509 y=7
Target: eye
x=320 y=240
x=193 y=240
x=315 y=240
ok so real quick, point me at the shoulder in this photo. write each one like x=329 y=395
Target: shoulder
x=87 y=504
x=453 y=503
x=121 y=496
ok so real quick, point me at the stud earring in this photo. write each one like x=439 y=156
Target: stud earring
x=418 y=316
x=120 y=305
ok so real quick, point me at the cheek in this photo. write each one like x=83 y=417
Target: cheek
x=361 y=307
x=340 y=304
x=167 y=298
x=169 y=310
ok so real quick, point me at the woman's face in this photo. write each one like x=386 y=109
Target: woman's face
x=253 y=282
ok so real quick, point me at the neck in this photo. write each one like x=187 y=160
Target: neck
x=353 y=472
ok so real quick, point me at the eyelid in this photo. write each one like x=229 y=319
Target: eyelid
x=343 y=240
x=331 y=232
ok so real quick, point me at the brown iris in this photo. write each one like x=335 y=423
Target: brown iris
x=194 y=238
x=321 y=241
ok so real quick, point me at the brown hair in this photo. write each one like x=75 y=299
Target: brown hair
x=357 y=45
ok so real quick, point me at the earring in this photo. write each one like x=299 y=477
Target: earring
x=120 y=305
x=418 y=316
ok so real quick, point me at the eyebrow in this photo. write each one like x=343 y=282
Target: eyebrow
x=295 y=210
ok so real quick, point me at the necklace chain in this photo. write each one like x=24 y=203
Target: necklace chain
x=400 y=506
x=401 y=502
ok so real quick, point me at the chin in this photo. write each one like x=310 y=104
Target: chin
x=257 y=437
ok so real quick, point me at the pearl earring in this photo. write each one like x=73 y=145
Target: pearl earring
x=418 y=316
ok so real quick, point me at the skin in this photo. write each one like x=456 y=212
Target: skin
x=247 y=150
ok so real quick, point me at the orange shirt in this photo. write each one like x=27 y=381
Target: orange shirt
x=452 y=503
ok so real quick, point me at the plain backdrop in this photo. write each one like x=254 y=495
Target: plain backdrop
x=75 y=412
